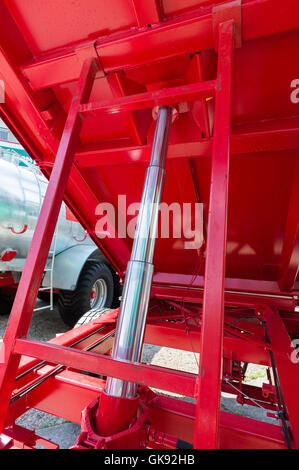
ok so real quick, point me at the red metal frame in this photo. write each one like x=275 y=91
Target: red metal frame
x=290 y=254
x=208 y=404
x=280 y=340
x=191 y=31
x=66 y=130
x=37 y=256
x=69 y=383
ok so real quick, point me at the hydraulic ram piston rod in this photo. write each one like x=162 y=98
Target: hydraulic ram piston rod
x=138 y=281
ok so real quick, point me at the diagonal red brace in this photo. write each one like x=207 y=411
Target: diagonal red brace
x=25 y=299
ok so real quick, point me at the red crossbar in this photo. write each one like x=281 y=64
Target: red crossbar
x=150 y=99
x=183 y=383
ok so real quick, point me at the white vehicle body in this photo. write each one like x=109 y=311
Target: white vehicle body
x=22 y=190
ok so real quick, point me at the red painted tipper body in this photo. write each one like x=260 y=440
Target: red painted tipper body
x=84 y=83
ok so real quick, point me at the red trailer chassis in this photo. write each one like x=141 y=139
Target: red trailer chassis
x=235 y=303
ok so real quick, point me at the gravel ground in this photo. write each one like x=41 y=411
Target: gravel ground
x=46 y=324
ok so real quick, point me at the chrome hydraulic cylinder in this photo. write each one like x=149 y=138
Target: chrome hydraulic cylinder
x=138 y=281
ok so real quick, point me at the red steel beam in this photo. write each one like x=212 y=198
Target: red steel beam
x=183 y=383
x=289 y=266
x=188 y=339
x=169 y=335
x=33 y=133
x=183 y=35
x=176 y=417
x=150 y=99
x=253 y=286
x=74 y=335
x=265 y=136
x=167 y=415
x=199 y=109
x=147 y=13
x=208 y=403
x=274 y=135
x=188 y=189
x=50 y=396
x=244 y=299
x=239 y=432
x=25 y=299
x=118 y=88
x=68 y=382
x=287 y=365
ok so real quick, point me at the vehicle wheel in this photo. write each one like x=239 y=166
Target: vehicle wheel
x=6 y=302
x=95 y=289
x=92 y=315
x=86 y=318
x=117 y=290
x=45 y=296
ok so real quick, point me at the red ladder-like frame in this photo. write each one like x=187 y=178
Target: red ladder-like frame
x=208 y=403
x=15 y=343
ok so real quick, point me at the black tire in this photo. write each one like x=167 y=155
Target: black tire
x=86 y=318
x=73 y=304
x=117 y=290
x=92 y=315
x=45 y=296
x=6 y=302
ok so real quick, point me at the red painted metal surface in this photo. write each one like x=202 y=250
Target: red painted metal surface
x=81 y=81
x=287 y=367
x=208 y=404
x=259 y=123
x=33 y=270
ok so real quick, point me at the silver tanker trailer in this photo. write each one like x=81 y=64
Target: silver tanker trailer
x=76 y=275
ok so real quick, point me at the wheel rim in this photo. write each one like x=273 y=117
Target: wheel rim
x=98 y=295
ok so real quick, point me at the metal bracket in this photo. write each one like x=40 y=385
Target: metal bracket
x=226 y=12
x=89 y=439
x=89 y=50
x=22 y=438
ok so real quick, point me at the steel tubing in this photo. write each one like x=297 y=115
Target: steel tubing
x=138 y=281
